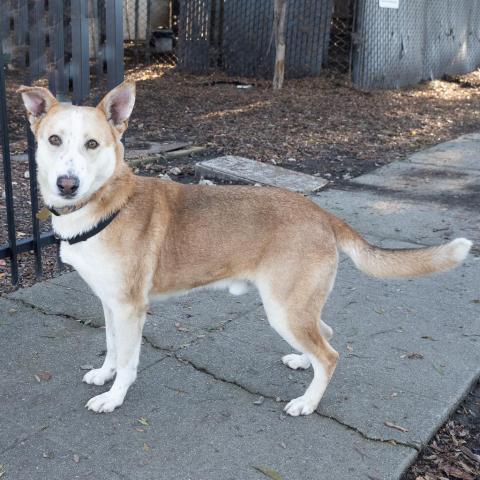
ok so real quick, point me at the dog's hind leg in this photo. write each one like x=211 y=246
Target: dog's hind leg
x=296 y=361
x=128 y=324
x=98 y=376
x=293 y=306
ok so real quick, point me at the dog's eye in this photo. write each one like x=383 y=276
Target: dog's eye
x=91 y=144
x=55 y=140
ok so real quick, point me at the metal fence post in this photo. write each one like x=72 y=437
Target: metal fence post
x=58 y=81
x=114 y=42
x=80 y=52
x=7 y=172
x=37 y=40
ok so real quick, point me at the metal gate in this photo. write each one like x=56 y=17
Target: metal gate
x=71 y=47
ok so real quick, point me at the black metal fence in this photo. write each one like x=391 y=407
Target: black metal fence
x=70 y=46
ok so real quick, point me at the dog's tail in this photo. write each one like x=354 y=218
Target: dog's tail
x=381 y=262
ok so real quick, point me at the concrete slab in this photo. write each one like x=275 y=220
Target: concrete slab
x=381 y=216
x=40 y=456
x=32 y=343
x=463 y=152
x=192 y=425
x=448 y=186
x=241 y=169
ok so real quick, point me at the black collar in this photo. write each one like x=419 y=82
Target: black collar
x=81 y=237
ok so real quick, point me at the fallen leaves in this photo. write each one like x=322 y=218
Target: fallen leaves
x=268 y=472
x=146 y=447
x=448 y=456
x=143 y=421
x=43 y=377
x=180 y=327
x=413 y=356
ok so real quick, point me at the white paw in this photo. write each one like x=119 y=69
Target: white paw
x=98 y=376
x=300 y=406
x=106 y=402
x=295 y=361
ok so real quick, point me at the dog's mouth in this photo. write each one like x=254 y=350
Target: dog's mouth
x=67 y=196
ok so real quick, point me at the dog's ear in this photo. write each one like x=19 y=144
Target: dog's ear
x=38 y=101
x=117 y=105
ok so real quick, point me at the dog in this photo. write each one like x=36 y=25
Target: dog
x=134 y=239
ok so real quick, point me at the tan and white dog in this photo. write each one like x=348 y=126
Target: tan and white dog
x=133 y=239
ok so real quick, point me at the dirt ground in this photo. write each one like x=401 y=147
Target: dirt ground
x=320 y=126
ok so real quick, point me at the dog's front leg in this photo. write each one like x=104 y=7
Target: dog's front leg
x=128 y=323
x=98 y=376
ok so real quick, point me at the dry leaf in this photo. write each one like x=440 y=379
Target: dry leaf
x=180 y=328
x=269 y=472
x=412 y=356
x=456 y=472
x=146 y=447
x=143 y=421
x=396 y=427
x=45 y=376
x=468 y=453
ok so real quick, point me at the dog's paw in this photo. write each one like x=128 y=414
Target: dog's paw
x=106 y=402
x=300 y=406
x=98 y=376
x=295 y=361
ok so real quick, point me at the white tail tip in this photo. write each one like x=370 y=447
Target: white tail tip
x=460 y=248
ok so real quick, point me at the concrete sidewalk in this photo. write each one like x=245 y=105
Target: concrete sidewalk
x=409 y=352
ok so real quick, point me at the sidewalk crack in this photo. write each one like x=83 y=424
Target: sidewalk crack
x=204 y=370
x=87 y=322
x=390 y=441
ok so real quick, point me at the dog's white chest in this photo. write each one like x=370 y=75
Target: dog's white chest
x=94 y=265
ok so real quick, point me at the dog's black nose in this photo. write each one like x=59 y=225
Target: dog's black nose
x=68 y=185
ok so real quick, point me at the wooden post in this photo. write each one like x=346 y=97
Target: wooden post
x=279 y=14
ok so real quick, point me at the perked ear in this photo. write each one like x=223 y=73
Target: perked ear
x=117 y=105
x=38 y=101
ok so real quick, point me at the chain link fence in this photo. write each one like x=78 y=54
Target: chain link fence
x=379 y=47
x=150 y=31
x=237 y=36
x=421 y=40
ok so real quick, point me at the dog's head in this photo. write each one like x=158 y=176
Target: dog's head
x=78 y=148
